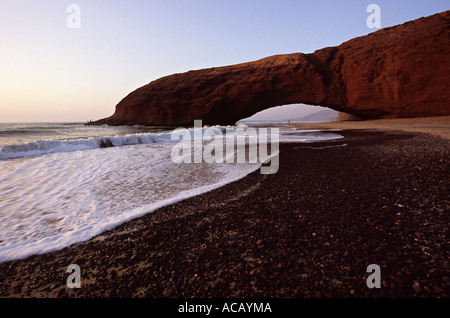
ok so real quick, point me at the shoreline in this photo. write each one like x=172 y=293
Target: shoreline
x=308 y=231
x=436 y=126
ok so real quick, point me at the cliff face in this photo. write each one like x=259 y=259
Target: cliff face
x=402 y=71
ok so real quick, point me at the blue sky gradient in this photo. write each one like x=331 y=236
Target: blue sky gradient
x=49 y=72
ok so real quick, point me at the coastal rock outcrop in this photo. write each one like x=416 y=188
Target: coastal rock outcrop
x=401 y=71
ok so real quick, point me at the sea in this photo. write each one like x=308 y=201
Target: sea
x=64 y=183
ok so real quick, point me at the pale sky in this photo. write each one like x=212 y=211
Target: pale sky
x=50 y=72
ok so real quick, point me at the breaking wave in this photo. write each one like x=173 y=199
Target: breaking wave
x=42 y=147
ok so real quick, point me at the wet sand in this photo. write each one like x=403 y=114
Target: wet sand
x=437 y=126
x=310 y=230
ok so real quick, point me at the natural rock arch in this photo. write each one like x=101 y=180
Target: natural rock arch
x=402 y=71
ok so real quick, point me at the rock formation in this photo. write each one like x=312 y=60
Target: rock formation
x=401 y=71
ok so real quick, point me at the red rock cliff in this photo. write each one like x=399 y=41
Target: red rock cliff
x=401 y=71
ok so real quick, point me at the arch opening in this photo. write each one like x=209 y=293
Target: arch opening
x=294 y=113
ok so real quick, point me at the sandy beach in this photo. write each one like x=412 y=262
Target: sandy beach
x=310 y=230
x=437 y=126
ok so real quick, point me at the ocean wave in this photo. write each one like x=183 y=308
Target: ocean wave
x=42 y=147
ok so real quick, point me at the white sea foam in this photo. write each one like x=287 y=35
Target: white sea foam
x=293 y=135
x=55 y=193
x=41 y=147
x=50 y=202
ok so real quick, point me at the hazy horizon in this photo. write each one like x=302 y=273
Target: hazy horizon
x=54 y=73
x=284 y=112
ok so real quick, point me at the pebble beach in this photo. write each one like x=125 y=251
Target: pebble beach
x=308 y=231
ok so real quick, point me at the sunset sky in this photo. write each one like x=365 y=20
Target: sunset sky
x=50 y=72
